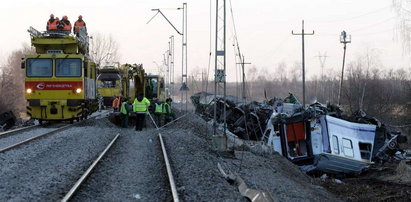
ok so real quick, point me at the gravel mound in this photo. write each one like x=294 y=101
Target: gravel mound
x=133 y=169
x=45 y=169
x=195 y=168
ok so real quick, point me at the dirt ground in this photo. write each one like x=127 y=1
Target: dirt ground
x=391 y=182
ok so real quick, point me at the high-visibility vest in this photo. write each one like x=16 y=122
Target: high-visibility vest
x=116 y=102
x=123 y=109
x=159 y=109
x=78 y=24
x=141 y=106
x=167 y=108
x=66 y=27
x=52 y=25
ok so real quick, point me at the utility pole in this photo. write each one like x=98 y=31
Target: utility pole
x=322 y=58
x=303 y=56
x=172 y=63
x=243 y=63
x=344 y=39
x=183 y=49
x=220 y=61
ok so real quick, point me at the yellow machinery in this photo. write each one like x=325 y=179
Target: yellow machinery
x=60 y=78
x=112 y=82
x=152 y=86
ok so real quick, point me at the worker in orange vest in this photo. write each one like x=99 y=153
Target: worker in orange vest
x=116 y=103
x=79 y=23
x=52 y=23
x=66 y=24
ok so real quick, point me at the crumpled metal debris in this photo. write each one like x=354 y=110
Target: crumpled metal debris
x=246 y=120
x=252 y=194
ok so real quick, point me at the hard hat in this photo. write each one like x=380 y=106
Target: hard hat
x=51 y=15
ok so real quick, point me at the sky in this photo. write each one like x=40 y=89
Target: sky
x=263 y=29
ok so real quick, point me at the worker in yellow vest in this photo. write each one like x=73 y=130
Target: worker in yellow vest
x=168 y=111
x=140 y=107
x=124 y=111
x=158 y=111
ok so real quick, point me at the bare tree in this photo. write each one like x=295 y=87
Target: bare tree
x=104 y=49
x=12 y=82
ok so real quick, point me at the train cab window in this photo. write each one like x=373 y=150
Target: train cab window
x=347 y=147
x=68 y=67
x=39 y=67
x=336 y=147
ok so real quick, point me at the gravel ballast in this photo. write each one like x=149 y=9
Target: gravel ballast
x=45 y=169
x=133 y=169
x=198 y=179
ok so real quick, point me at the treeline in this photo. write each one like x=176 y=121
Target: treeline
x=380 y=92
x=12 y=82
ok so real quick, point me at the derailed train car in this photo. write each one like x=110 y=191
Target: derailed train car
x=327 y=140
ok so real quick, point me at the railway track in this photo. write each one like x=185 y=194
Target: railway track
x=27 y=140
x=18 y=130
x=34 y=137
x=77 y=186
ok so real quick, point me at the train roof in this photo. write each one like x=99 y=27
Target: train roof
x=50 y=42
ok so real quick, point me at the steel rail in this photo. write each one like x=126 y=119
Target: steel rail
x=167 y=162
x=42 y=135
x=7 y=133
x=88 y=171
x=35 y=137
x=169 y=172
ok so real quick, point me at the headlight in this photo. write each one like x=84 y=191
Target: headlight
x=78 y=90
x=29 y=90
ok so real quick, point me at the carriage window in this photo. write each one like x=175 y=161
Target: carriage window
x=39 y=67
x=336 y=147
x=347 y=147
x=365 y=150
x=68 y=67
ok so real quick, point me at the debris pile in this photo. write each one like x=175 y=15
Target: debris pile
x=246 y=120
x=7 y=120
x=317 y=137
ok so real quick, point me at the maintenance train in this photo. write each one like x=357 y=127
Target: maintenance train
x=62 y=82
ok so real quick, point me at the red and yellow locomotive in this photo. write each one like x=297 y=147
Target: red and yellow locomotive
x=60 y=78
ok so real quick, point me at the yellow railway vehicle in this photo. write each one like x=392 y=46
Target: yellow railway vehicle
x=60 y=78
x=110 y=84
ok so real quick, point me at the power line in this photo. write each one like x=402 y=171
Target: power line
x=355 y=17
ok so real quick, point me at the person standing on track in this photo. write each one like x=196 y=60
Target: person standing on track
x=140 y=107
x=168 y=112
x=158 y=111
x=124 y=111
x=116 y=103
